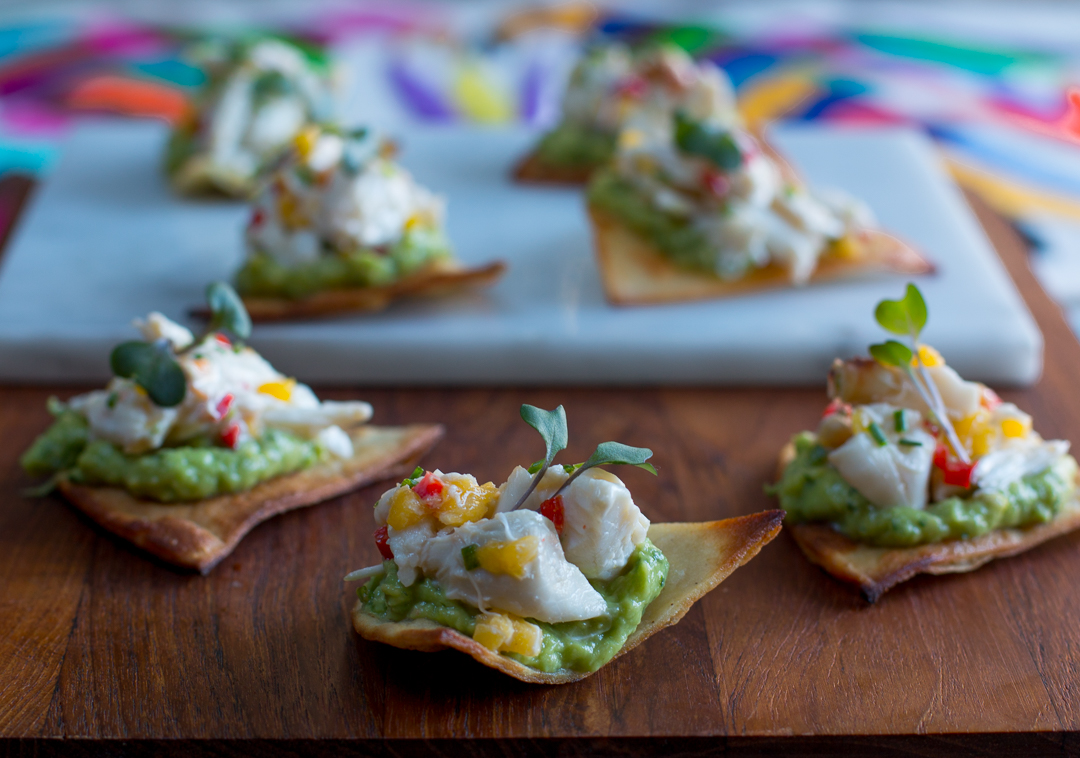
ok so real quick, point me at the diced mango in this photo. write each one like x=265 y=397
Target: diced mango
x=846 y=247
x=631 y=138
x=510 y=557
x=406 y=509
x=1013 y=427
x=504 y=633
x=930 y=357
x=472 y=503
x=281 y=390
x=305 y=141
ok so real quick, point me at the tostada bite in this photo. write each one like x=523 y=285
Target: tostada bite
x=612 y=85
x=913 y=470
x=339 y=226
x=195 y=441
x=546 y=577
x=259 y=92
x=691 y=209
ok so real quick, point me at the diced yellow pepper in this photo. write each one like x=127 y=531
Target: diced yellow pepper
x=305 y=141
x=509 y=557
x=406 y=509
x=1013 y=427
x=281 y=390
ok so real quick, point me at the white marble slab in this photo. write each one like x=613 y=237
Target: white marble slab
x=104 y=241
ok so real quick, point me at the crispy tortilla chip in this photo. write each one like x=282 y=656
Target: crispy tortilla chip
x=431 y=281
x=635 y=273
x=877 y=569
x=532 y=170
x=199 y=177
x=701 y=555
x=198 y=535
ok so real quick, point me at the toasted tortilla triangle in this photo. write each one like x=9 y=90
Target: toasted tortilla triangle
x=701 y=555
x=635 y=273
x=533 y=170
x=430 y=281
x=198 y=535
x=877 y=569
x=197 y=176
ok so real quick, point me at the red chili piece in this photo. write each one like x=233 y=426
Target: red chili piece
x=222 y=339
x=382 y=534
x=634 y=87
x=955 y=472
x=231 y=436
x=836 y=406
x=429 y=488
x=257 y=218
x=552 y=509
x=715 y=182
x=223 y=406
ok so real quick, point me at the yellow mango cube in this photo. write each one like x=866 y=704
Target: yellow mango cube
x=930 y=357
x=528 y=639
x=406 y=509
x=281 y=390
x=305 y=140
x=493 y=630
x=509 y=557
x=1014 y=428
x=472 y=503
x=846 y=247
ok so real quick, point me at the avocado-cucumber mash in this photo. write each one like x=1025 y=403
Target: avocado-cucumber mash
x=262 y=276
x=569 y=145
x=572 y=645
x=195 y=471
x=675 y=236
x=810 y=489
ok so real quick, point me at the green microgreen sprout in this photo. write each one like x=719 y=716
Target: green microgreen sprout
x=906 y=317
x=717 y=146
x=468 y=557
x=613 y=454
x=552 y=428
x=153 y=365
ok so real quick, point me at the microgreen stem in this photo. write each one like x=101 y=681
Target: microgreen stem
x=532 y=485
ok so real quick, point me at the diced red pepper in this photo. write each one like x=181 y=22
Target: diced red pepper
x=715 y=182
x=382 y=534
x=552 y=509
x=231 y=436
x=429 y=488
x=836 y=406
x=222 y=339
x=634 y=87
x=257 y=218
x=223 y=406
x=990 y=399
x=955 y=472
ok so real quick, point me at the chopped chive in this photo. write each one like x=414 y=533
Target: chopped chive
x=877 y=434
x=901 y=420
x=468 y=556
x=417 y=474
x=535 y=467
x=910 y=443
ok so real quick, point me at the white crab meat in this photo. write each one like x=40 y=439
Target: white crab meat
x=893 y=474
x=123 y=415
x=157 y=327
x=551 y=589
x=1022 y=457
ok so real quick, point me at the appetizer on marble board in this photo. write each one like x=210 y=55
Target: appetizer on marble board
x=259 y=93
x=340 y=227
x=196 y=440
x=612 y=85
x=547 y=577
x=914 y=470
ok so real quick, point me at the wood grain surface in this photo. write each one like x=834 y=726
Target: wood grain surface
x=103 y=652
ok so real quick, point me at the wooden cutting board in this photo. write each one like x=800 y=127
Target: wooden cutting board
x=105 y=652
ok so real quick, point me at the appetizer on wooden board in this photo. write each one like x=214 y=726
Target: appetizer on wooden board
x=915 y=470
x=612 y=85
x=259 y=93
x=340 y=227
x=546 y=577
x=195 y=441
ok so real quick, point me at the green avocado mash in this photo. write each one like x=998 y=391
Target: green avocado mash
x=810 y=489
x=572 y=645
x=192 y=472
x=571 y=146
x=262 y=276
x=672 y=235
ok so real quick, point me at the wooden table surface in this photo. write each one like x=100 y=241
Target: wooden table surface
x=103 y=651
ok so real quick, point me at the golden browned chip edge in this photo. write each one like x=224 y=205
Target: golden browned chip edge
x=722 y=546
x=633 y=272
x=532 y=170
x=199 y=535
x=875 y=570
